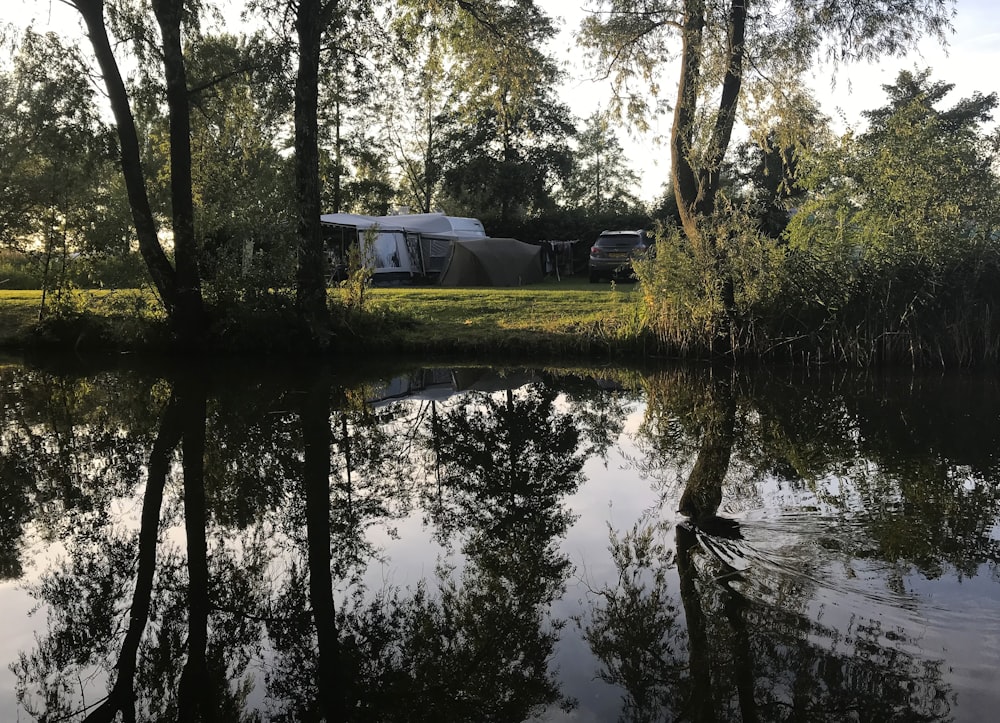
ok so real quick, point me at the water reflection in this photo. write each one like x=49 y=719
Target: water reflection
x=206 y=545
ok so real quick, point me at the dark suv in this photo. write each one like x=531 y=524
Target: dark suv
x=611 y=255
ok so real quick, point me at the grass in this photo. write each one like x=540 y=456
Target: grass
x=557 y=317
x=18 y=315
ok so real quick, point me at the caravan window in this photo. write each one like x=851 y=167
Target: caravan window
x=386 y=250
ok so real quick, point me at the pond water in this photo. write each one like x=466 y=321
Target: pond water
x=461 y=543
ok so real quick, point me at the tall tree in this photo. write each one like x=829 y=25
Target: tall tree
x=897 y=239
x=242 y=185
x=505 y=141
x=56 y=164
x=721 y=43
x=602 y=179
x=351 y=144
x=179 y=285
x=170 y=14
x=413 y=126
x=311 y=17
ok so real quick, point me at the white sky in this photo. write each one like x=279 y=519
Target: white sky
x=971 y=61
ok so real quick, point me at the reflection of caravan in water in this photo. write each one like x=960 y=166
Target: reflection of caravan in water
x=441 y=383
x=396 y=247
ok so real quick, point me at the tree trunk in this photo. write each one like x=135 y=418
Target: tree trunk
x=189 y=316
x=696 y=187
x=160 y=270
x=311 y=284
x=121 y=699
x=315 y=414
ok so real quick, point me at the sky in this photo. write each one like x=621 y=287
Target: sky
x=971 y=61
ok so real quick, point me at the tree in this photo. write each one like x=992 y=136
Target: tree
x=311 y=18
x=353 y=162
x=765 y=172
x=56 y=165
x=919 y=182
x=242 y=186
x=898 y=231
x=504 y=143
x=413 y=126
x=722 y=43
x=179 y=285
x=602 y=180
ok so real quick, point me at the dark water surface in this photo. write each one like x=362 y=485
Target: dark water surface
x=470 y=544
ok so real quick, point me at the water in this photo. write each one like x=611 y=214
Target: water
x=500 y=545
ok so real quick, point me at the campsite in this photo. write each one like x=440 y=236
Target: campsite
x=429 y=248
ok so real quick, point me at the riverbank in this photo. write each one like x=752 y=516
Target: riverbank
x=568 y=317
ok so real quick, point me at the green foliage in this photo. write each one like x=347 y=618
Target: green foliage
x=502 y=143
x=715 y=290
x=359 y=275
x=601 y=179
x=633 y=41
x=17 y=271
x=56 y=166
x=87 y=270
x=101 y=322
x=895 y=254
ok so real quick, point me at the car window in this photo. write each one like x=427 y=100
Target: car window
x=619 y=240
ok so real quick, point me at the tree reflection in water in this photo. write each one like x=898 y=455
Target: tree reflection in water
x=748 y=647
x=214 y=551
x=165 y=661
x=144 y=628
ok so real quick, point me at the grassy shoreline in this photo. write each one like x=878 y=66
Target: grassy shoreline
x=568 y=317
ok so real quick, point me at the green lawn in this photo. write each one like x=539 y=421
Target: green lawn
x=556 y=316
x=18 y=312
x=568 y=315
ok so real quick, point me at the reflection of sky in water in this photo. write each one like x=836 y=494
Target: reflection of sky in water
x=789 y=532
x=811 y=536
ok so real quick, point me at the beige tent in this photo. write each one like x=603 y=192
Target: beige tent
x=492 y=262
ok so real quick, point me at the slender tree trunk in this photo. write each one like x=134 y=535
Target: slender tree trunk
x=338 y=151
x=311 y=286
x=430 y=177
x=47 y=266
x=160 y=270
x=682 y=132
x=189 y=310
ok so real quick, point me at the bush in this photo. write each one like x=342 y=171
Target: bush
x=718 y=291
x=18 y=272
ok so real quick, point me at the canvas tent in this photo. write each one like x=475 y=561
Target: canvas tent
x=492 y=262
x=450 y=249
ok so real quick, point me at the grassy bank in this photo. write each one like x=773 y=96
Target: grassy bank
x=18 y=315
x=562 y=317
x=557 y=317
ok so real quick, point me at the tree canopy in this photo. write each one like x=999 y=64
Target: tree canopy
x=725 y=48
